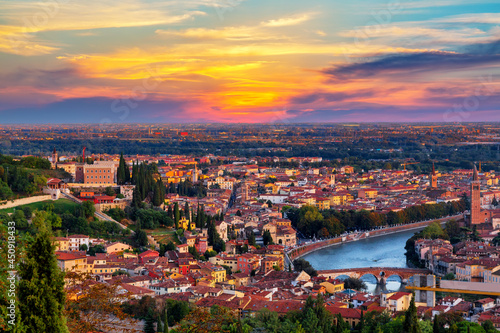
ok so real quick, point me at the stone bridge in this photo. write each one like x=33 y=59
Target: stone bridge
x=380 y=273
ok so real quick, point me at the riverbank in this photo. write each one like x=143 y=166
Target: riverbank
x=345 y=239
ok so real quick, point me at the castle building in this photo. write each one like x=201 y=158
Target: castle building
x=101 y=172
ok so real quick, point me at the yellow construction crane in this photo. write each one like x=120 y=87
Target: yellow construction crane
x=405 y=164
x=455 y=291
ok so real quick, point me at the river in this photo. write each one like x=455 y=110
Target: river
x=381 y=251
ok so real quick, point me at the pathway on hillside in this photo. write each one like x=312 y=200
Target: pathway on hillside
x=99 y=215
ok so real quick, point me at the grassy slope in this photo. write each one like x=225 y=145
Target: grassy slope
x=60 y=205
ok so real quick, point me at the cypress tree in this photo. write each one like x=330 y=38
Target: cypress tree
x=120 y=172
x=186 y=210
x=157 y=196
x=165 y=321
x=435 y=325
x=158 y=325
x=361 y=324
x=126 y=171
x=162 y=190
x=134 y=173
x=149 y=326
x=176 y=215
x=136 y=197
x=410 y=324
x=199 y=223
x=41 y=286
x=251 y=238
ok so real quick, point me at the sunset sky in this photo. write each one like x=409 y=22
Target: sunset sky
x=205 y=61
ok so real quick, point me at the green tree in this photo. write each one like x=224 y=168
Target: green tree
x=301 y=264
x=194 y=252
x=474 y=235
x=120 y=171
x=141 y=237
x=495 y=241
x=165 y=321
x=433 y=231
x=170 y=246
x=452 y=229
x=28 y=211
x=436 y=328
x=466 y=201
x=488 y=326
x=41 y=286
x=159 y=328
x=354 y=283
x=425 y=326
x=109 y=191
x=136 y=198
x=177 y=310
x=157 y=196
x=5 y=191
x=449 y=276
x=410 y=324
x=20 y=219
x=268 y=239
x=177 y=215
x=310 y=321
x=251 y=238
x=87 y=209
x=149 y=322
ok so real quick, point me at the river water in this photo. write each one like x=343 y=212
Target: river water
x=381 y=251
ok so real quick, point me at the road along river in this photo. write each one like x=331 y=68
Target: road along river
x=381 y=251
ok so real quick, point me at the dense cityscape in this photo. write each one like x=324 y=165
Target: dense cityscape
x=158 y=242
x=249 y=166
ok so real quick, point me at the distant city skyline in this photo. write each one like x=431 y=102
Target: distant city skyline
x=253 y=61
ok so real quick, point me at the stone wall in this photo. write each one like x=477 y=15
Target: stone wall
x=105 y=206
x=24 y=201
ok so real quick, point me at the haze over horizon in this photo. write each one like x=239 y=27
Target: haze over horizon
x=253 y=61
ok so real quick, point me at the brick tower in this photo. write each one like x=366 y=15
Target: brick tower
x=475 y=202
x=434 y=178
x=54 y=158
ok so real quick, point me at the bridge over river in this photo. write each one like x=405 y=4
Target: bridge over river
x=380 y=273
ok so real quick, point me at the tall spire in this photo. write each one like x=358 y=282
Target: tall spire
x=475 y=177
x=433 y=169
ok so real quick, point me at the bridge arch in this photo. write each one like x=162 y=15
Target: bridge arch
x=342 y=275
x=380 y=273
x=395 y=275
x=365 y=275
